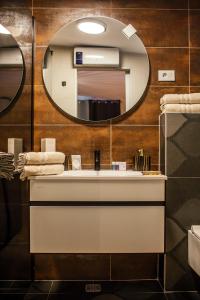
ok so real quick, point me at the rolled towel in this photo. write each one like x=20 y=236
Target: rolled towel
x=193 y=98
x=34 y=170
x=180 y=108
x=40 y=158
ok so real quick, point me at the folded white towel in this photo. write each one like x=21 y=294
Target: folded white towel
x=180 y=108
x=41 y=170
x=193 y=98
x=41 y=158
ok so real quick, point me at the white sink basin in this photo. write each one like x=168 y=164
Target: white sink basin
x=101 y=173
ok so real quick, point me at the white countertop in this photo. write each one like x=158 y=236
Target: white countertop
x=99 y=175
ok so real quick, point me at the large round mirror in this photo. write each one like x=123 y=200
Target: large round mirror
x=96 y=68
x=11 y=68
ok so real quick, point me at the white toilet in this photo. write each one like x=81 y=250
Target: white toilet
x=194 y=248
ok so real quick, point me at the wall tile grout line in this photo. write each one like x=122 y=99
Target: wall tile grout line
x=100 y=125
x=50 y=290
x=111 y=8
x=154 y=86
x=189 y=44
x=147 y=47
x=111 y=142
x=110 y=267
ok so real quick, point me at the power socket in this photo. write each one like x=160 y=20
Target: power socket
x=166 y=75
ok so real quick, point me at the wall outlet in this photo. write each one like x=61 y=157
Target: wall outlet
x=166 y=75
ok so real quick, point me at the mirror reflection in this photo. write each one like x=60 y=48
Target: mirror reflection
x=11 y=68
x=96 y=73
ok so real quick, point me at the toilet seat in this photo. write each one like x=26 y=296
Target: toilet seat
x=194 y=248
x=196 y=230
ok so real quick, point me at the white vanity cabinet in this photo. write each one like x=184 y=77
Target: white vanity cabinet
x=97 y=214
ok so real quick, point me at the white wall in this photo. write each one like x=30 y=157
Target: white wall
x=11 y=56
x=60 y=68
x=136 y=63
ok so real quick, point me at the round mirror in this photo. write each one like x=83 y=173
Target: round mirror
x=11 y=68
x=96 y=69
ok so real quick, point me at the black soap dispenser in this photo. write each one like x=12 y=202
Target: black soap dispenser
x=97 y=160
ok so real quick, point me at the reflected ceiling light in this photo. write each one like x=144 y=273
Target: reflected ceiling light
x=91 y=27
x=3 y=30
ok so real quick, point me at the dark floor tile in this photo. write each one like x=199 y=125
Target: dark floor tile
x=23 y=296
x=63 y=297
x=15 y=262
x=108 y=296
x=37 y=287
x=130 y=287
x=11 y=296
x=120 y=288
x=143 y=296
x=183 y=296
x=69 y=287
x=5 y=284
x=35 y=297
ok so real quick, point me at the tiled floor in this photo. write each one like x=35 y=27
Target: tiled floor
x=65 y=290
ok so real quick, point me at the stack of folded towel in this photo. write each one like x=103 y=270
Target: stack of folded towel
x=180 y=103
x=40 y=163
x=6 y=165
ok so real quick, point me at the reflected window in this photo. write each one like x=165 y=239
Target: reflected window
x=101 y=94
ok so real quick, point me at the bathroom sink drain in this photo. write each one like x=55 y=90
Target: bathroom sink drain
x=93 y=288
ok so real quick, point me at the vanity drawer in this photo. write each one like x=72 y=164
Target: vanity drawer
x=97 y=229
x=97 y=190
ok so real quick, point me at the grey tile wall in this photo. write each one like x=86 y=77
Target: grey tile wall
x=180 y=145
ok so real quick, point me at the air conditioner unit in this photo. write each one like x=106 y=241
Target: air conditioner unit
x=96 y=56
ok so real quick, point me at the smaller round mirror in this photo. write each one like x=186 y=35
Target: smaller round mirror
x=11 y=68
x=96 y=69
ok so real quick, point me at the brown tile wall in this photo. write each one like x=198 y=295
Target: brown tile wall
x=167 y=29
x=170 y=31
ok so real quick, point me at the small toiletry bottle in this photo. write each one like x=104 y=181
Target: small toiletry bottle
x=48 y=145
x=139 y=160
x=76 y=162
x=67 y=162
x=15 y=146
x=113 y=165
x=97 y=160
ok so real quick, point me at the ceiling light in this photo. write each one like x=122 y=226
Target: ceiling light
x=91 y=27
x=3 y=30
